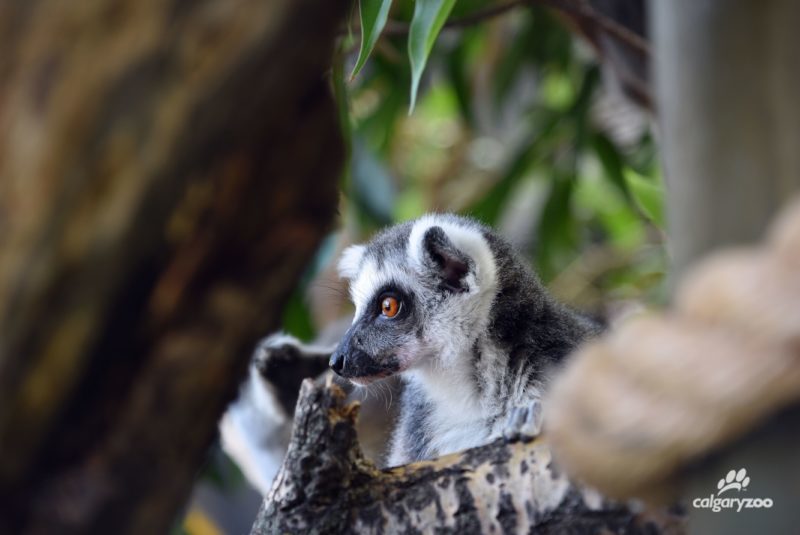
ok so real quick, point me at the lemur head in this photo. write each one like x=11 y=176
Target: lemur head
x=423 y=291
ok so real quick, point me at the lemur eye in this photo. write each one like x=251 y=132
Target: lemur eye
x=390 y=306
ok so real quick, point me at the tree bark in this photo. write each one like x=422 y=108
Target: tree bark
x=166 y=172
x=327 y=486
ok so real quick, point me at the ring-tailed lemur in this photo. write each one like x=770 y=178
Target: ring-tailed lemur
x=447 y=304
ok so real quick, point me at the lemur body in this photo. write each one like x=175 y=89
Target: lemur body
x=449 y=306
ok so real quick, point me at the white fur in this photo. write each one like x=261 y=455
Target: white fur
x=467 y=239
x=255 y=429
x=457 y=418
x=472 y=309
x=369 y=279
x=350 y=261
x=281 y=339
x=255 y=432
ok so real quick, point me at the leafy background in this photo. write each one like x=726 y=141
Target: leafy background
x=510 y=123
x=499 y=113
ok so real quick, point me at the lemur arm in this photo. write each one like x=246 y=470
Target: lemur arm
x=256 y=427
x=283 y=362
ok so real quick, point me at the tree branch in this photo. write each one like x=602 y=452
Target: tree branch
x=395 y=28
x=584 y=10
x=578 y=8
x=326 y=484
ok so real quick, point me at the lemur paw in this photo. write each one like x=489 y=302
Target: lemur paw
x=524 y=423
x=255 y=428
x=283 y=362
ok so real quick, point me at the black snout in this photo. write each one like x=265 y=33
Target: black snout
x=354 y=364
x=337 y=362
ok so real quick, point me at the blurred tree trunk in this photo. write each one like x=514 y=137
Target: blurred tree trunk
x=166 y=171
x=728 y=76
x=728 y=80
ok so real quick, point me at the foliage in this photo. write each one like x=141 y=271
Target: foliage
x=374 y=14
x=507 y=128
x=429 y=18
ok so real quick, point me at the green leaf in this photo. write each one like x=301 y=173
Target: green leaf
x=428 y=20
x=342 y=99
x=649 y=195
x=612 y=163
x=557 y=232
x=297 y=317
x=389 y=81
x=374 y=14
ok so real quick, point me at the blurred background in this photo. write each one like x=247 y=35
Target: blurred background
x=516 y=124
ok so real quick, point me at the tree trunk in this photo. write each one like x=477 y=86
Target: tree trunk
x=727 y=82
x=327 y=486
x=166 y=172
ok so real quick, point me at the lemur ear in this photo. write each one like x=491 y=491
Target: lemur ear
x=350 y=262
x=451 y=263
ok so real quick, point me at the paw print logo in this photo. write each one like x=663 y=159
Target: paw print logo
x=734 y=480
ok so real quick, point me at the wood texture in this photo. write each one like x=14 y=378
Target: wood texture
x=167 y=169
x=327 y=486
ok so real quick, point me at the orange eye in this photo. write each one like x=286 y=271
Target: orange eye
x=390 y=307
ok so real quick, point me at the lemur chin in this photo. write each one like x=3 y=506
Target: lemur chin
x=449 y=306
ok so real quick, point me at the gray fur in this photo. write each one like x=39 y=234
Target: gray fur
x=477 y=334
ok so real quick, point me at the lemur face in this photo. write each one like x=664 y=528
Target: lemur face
x=422 y=291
